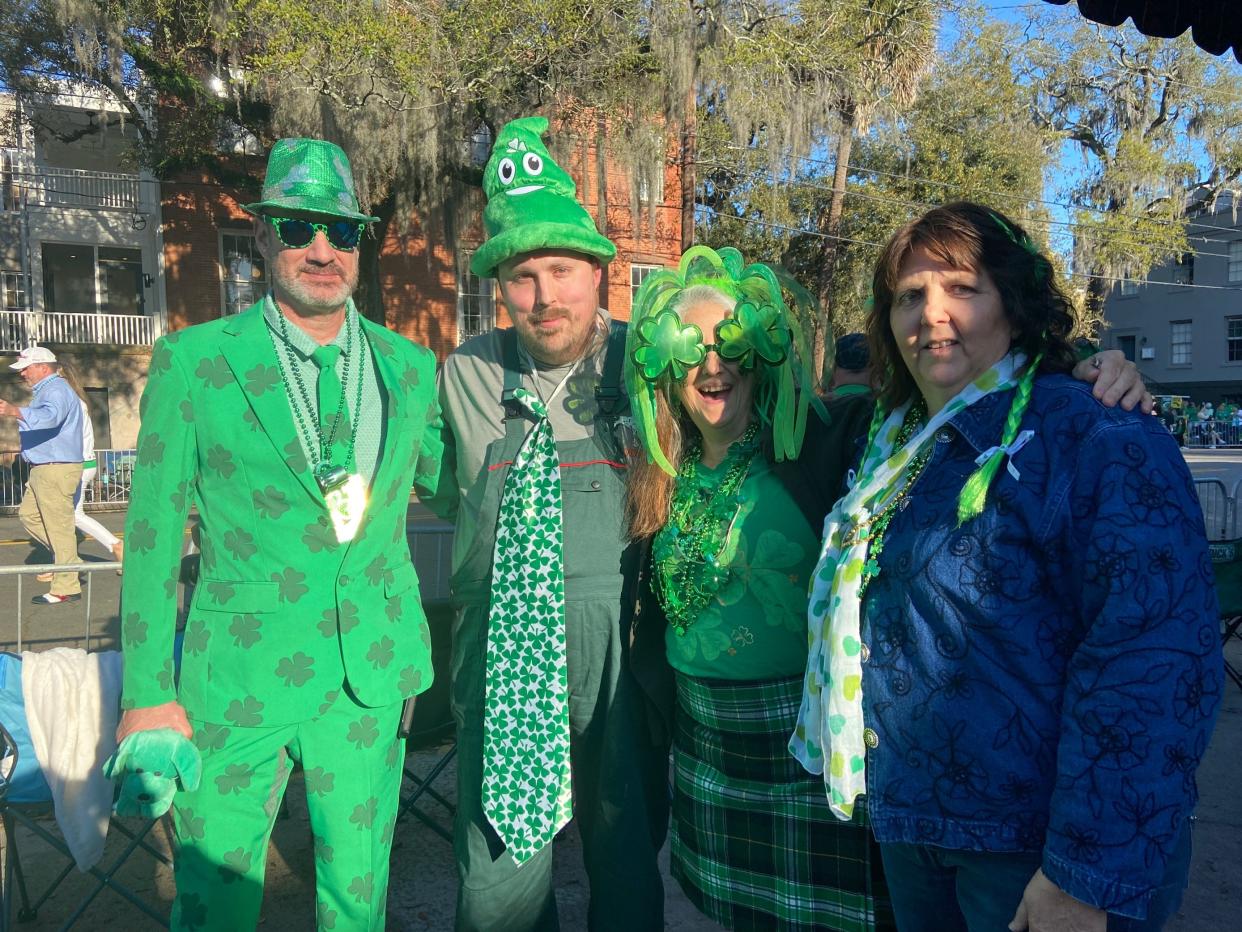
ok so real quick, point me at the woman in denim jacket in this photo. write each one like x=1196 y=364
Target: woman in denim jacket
x=1015 y=649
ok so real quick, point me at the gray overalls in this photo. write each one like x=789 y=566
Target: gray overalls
x=619 y=777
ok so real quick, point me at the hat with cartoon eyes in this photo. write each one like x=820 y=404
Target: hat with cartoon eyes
x=532 y=203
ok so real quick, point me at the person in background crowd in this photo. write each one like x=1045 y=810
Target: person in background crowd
x=50 y=428
x=852 y=373
x=1015 y=647
x=81 y=520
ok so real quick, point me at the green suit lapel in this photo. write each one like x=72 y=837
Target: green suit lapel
x=389 y=467
x=247 y=347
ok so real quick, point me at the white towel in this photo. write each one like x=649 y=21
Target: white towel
x=72 y=706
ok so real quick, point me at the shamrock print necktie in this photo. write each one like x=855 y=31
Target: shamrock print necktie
x=527 y=794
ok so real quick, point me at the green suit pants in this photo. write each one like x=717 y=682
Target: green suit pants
x=351 y=757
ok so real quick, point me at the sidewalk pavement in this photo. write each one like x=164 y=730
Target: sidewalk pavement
x=422 y=891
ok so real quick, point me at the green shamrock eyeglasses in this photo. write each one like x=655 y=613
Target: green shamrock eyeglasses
x=298 y=234
x=752 y=334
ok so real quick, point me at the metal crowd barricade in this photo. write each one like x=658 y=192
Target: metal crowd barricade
x=1220 y=513
x=90 y=569
x=108 y=491
x=431 y=547
x=1219 y=508
x=1209 y=435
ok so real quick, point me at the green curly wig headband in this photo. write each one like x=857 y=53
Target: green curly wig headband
x=762 y=334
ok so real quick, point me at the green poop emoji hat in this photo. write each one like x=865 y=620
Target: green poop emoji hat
x=308 y=176
x=532 y=202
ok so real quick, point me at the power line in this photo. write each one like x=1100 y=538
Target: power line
x=997 y=194
x=1073 y=274
x=1047 y=222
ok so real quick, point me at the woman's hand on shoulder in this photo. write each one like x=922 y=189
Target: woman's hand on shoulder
x=1045 y=907
x=1115 y=380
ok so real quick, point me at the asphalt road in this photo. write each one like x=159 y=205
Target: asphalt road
x=1225 y=465
x=97 y=615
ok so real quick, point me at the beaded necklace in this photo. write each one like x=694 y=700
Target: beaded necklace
x=875 y=528
x=321 y=465
x=687 y=549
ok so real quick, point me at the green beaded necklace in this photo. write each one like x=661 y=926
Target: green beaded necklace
x=876 y=527
x=686 y=551
x=321 y=465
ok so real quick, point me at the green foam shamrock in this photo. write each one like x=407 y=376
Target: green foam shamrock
x=667 y=345
x=754 y=330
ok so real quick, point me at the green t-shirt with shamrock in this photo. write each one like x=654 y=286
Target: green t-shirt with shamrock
x=755 y=628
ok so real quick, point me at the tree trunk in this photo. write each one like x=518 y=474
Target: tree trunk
x=689 y=148
x=369 y=295
x=830 y=227
x=1093 y=311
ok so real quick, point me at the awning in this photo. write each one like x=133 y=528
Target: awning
x=1215 y=25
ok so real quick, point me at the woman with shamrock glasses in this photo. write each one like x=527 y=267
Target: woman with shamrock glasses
x=719 y=396
x=731 y=497
x=1015 y=650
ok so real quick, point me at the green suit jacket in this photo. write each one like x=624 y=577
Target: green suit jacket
x=283 y=615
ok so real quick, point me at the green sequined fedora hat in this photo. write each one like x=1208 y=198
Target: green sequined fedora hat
x=309 y=176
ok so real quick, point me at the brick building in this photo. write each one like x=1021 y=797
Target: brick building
x=99 y=260
x=211 y=265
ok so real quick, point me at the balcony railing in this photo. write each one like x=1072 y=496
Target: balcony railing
x=27 y=183
x=19 y=329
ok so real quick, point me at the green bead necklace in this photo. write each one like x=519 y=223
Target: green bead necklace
x=321 y=465
x=874 y=529
x=687 y=549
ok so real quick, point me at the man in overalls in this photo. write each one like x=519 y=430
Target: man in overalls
x=534 y=476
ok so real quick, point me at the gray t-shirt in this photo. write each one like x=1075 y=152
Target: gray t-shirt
x=471 y=381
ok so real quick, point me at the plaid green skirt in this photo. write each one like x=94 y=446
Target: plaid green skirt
x=753 y=842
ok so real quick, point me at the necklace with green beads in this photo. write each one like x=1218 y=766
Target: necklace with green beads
x=686 y=551
x=874 y=528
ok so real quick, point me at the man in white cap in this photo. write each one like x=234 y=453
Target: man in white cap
x=51 y=435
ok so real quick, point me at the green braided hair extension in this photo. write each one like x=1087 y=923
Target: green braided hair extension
x=975 y=492
x=878 y=416
x=761 y=334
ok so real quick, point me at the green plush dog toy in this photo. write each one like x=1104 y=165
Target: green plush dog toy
x=150 y=765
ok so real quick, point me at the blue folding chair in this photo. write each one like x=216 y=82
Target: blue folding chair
x=26 y=800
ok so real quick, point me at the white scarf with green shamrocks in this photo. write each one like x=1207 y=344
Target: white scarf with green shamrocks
x=834 y=666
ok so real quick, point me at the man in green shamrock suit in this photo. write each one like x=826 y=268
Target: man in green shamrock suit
x=297 y=428
x=549 y=719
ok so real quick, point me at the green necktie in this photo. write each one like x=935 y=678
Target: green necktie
x=334 y=436
x=526 y=777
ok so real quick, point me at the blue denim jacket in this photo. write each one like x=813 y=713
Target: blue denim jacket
x=1046 y=677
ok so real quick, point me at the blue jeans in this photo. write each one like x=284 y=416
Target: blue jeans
x=939 y=890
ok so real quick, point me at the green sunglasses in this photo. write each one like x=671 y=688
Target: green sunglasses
x=298 y=234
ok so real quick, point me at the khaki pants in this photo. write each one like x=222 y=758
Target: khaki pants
x=46 y=513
